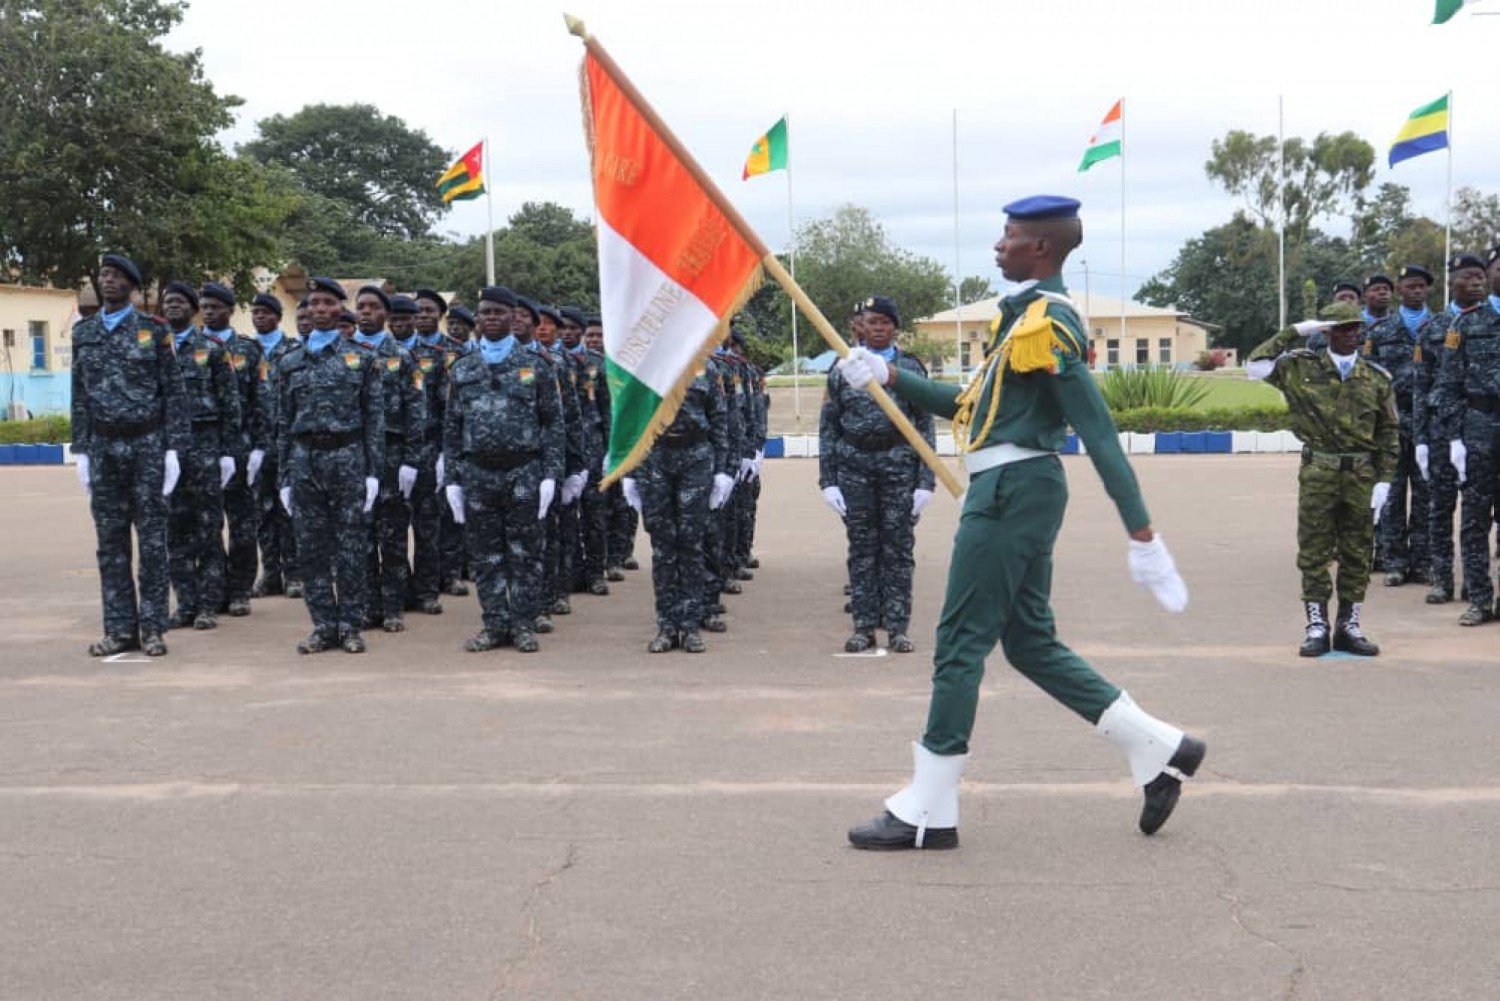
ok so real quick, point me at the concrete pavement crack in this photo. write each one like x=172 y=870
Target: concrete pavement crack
x=1414 y=890
x=517 y=974
x=1299 y=979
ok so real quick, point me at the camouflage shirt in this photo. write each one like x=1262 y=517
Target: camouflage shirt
x=332 y=391
x=1468 y=375
x=850 y=418
x=705 y=412
x=1389 y=344
x=431 y=361
x=404 y=403
x=269 y=394
x=127 y=376
x=213 y=393
x=245 y=357
x=503 y=410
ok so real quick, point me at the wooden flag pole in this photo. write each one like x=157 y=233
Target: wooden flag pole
x=767 y=258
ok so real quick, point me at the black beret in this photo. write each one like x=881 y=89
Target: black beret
x=1342 y=284
x=572 y=314
x=427 y=293
x=1416 y=271
x=1459 y=262
x=497 y=293
x=403 y=305
x=302 y=302
x=593 y=320
x=524 y=303
x=124 y=264
x=550 y=312
x=736 y=336
x=1380 y=280
x=462 y=314
x=885 y=307
x=268 y=301
x=326 y=285
x=218 y=293
x=347 y=316
x=183 y=289
x=377 y=292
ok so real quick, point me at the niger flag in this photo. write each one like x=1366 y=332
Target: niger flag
x=672 y=267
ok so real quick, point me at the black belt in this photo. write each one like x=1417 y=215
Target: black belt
x=398 y=435
x=1344 y=462
x=205 y=423
x=327 y=440
x=874 y=442
x=1485 y=404
x=501 y=462
x=124 y=429
x=682 y=439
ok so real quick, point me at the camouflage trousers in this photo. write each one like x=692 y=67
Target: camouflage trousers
x=1403 y=526
x=453 y=551
x=125 y=493
x=716 y=569
x=333 y=534
x=592 y=529
x=1442 y=502
x=278 y=544
x=1334 y=522
x=505 y=537
x=426 y=536
x=877 y=488
x=387 y=571
x=621 y=526
x=557 y=581
x=674 y=484
x=1480 y=491
x=241 y=513
x=569 y=533
x=749 y=502
x=195 y=523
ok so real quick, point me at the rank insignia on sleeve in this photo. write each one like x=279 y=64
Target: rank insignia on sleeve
x=200 y=357
x=352 y=360
x=393 y=364
x=527 y=376
x=1453 y=340
x=1416 y=353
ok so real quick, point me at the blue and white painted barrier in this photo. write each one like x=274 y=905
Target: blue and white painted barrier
x=805 y=446
x=36 y=455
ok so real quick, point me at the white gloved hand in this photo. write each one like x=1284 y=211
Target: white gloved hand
x=455 y=495
x=1152 y=565
x=632 y=493
x=440 y=470
x=286 y=500
x=760 y=456
x=372 y=490
x=406 y=479
x=723 y=487
x=170 y=472
x=573 y=487
x=226 y=470
x=834 y=498
x=920 y=498
x=746 y=466
x=546 y=490
x=862 y=368
x=1311 y=327
x=252 y=468
x=1423 y=460
x=1458 y=454
x=1378 y=498
x=83 y=474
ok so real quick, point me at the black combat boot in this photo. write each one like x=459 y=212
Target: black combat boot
x=1316 y=643
x=1348 y=637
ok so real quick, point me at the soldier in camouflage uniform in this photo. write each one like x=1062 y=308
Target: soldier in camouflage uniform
x=1344 y=411
x=1431 y=453
x=582 y=570
x=747 y=496
x=129 y=424
x=195 y=517
x=878 y=485
x=679 y=485
x=461 y=328
x=718 y=577
x=304 y=318
x=564 y=564
x=425 y=345
x=594 y=397
x=503 y=444
x=331 y=440
x=1343 y=291
x=278 y=548
x=621 y=519
x=1465 y=400
x=405 y=421
x=453 y=562
x=241 y=508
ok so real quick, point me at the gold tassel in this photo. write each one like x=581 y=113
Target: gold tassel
x=1029 y=347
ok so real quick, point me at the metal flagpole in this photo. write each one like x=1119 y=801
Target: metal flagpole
x=1281 y=211
x=1448 y=205
x=958 y=274
x=791 y=237
x=489 y=210
x=1123 y=279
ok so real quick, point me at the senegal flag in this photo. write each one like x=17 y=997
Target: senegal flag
x=768 y=153
x=465 y=179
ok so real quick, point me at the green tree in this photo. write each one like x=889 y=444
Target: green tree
x=974 y=289
x=1380 y=221
x=1476 y=220
x=380 y=168
x=544 y=252
x=929 y=350
x=1321 y=178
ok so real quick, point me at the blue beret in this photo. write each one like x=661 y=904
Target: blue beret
x=1043 y=207
x=1459 y=262
x=124 y=264
x=183 y=289
x=461 y=313
x=217 y=292
x=328 y=285
x=268 y=301
x=551 y=312
x=1339 y=286
x=1416 y=271
x=593 y=320
x=404 y=305
x=377 y=292
x=497 y=293
x=429 y=294
x=347 y=316
x=885 y=307
x=524 y=303
x=572 y=314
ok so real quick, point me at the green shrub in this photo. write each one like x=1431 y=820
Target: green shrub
x=55 y=430
x=1133 y=388
x=1147 y=419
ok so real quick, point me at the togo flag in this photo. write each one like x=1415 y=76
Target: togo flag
x=673 y=268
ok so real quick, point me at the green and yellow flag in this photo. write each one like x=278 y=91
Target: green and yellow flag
x=768 y=153
x=465 y=179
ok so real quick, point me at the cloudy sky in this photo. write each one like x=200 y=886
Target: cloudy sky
x=872 y=90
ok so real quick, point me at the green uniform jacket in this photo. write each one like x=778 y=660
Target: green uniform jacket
x=1036 y=408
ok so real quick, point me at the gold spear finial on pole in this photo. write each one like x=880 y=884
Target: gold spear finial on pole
x=575 y=26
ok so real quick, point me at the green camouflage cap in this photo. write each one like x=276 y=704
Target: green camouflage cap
x=1341 y=313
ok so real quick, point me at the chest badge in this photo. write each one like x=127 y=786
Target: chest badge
x=393 y=364
x=353 y=361
x=526 y=375
x=200 y=357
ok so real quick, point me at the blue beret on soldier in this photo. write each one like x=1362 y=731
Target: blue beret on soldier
x=1343 y=284
x=347 y=316
x=268 y=301
x=1039 y=207
x=551 y=312
x=377 y=292
x=572 y=314
x=1385 y=280
x=217 y=292
x=327 y=285
x=429 y=294
x=462 y=313
x=498 y=293
x=403 y=305
x=885 y=307
x=593 y=320
x=524 y=303
x=183 y=289
x=1416 y=271
x=124 y=264
x=1459 y=262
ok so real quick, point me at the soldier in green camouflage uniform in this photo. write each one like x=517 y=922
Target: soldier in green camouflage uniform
x=278 y=547
x=129 y=425
x=1344 y=410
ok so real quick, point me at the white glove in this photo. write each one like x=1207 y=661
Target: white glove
x=455 y=494
x=1457 y=454
x=226 y=470
x=919 y=499
x=760 y=456
x=834 y=498
x=372 y=490
x=1151 y=565
x=746 y=467
x=862 y=368
x=1377 y=499
x=440 y=470
x=632 y=493
x=1423 y=459
x=573 y=487
x=252 y=468
x=83 y=474
x=170 y=472
x=545 y=492
x=723 y=487
x=1311 y=327
x=286 y=500
x=406 y=478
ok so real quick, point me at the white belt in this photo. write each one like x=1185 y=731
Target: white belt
x=1000 y=455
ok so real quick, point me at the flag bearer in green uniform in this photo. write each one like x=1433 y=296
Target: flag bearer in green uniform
x=1010 y=421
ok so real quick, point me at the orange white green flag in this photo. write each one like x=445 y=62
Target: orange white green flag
x=1107 y=140
x=673 y=268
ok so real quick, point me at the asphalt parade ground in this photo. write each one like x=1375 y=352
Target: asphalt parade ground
x=592 y=821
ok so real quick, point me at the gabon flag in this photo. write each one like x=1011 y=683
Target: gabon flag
x=673 y=267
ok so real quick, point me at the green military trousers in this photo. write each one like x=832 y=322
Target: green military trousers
x=1334 y=522
x=999 y=591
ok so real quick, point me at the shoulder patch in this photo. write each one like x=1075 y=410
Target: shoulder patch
x=1453 y=339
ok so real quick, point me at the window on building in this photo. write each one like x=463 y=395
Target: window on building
x=1164 y=351
x=1112 y=352
x=38 y=333
x=1142 y=351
